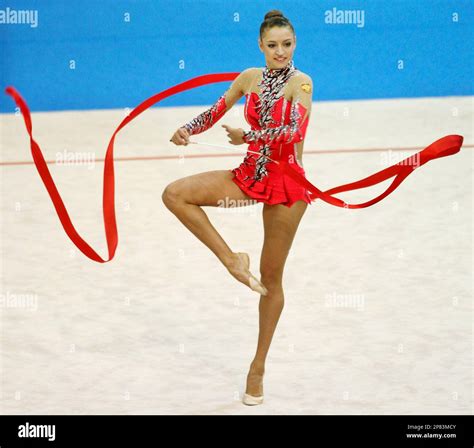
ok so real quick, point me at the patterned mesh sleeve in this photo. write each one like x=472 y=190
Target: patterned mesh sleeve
x=293 y=132
x=208 y=118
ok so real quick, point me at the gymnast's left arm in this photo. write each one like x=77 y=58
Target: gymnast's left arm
x=301 y=89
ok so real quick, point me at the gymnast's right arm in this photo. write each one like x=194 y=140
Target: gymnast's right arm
x=211 y=116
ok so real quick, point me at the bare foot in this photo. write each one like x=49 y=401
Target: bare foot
x=239 y=269
x=255 y=381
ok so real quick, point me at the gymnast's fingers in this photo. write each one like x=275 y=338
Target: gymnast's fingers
x=178 y=138
x=184 y=134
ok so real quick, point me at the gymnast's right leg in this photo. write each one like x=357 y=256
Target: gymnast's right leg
x=184 y=198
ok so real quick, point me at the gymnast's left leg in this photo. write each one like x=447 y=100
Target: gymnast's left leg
x=280 y=224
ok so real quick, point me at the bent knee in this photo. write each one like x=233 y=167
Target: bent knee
x=172 y=194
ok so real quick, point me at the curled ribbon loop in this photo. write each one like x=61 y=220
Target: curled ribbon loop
x=445 y=146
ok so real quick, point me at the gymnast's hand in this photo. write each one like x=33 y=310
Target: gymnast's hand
x=180 y=137
x=236 y=135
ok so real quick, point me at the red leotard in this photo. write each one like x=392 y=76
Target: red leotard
x=261 y=178
x=277 y=125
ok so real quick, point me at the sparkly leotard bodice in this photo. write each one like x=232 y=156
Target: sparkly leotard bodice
x=277 y=126
x=282 y=114
x=259 y=175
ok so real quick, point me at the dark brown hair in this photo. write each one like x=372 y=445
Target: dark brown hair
x=274 y=18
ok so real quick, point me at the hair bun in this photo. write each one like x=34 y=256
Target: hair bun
x=273 y=13
x=273 y=18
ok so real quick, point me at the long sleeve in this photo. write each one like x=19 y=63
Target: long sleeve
x=212 y=115
x=208 y=118
x=293 y=132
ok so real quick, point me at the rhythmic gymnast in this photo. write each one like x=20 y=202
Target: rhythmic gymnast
x=278 y=101
x=278 y=106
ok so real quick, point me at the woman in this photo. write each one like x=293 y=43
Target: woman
x=278 y=106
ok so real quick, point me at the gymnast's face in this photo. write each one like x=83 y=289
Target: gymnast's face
x=278 y=45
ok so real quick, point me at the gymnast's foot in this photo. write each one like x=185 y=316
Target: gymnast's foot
x=254 y=392
x=239 y=268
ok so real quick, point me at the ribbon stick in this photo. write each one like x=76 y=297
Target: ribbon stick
x=228 y=147
x=445 y=146
x=210 y=144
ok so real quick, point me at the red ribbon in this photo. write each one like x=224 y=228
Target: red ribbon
x=445 y=146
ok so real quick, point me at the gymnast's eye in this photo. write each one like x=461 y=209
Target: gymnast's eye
x=288 y=44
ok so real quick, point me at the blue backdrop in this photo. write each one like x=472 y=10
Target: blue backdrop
x=115 y=53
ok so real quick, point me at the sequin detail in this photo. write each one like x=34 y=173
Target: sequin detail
x=272 y=83
x=208 y=118
x=290 y=133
